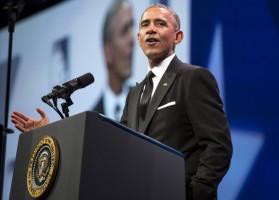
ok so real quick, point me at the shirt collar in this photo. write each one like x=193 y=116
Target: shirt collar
x=162 y=67
x=111 y=100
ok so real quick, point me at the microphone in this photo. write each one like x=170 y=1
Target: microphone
x=66 y=89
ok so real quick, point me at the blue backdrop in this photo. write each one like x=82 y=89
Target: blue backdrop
x=250 y=43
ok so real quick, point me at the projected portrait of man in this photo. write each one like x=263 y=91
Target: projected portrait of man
x=118 y=44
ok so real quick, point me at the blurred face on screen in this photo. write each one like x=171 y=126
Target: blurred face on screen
x=119 y=47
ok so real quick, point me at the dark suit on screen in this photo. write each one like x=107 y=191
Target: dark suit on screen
x=190 y=119
x=99 y=107
x=115 y=102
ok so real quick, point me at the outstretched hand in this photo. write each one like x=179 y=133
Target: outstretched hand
x=25 y=123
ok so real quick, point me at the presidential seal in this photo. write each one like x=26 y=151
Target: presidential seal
x=42 y=167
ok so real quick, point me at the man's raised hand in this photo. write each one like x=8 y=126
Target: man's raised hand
x=25 y=123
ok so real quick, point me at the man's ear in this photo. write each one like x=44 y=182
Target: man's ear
x=178 y=37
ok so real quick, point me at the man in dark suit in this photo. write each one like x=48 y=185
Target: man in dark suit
x=184 y=109
x=177 y=104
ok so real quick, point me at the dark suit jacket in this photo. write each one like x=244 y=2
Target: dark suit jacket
x=196 y=125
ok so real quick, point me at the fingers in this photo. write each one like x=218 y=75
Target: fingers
x=19 y=118
x=20 y=115
x=25 y=123
x=41 y=112
x=21 y=128
x=18 y=124
x=22 y=122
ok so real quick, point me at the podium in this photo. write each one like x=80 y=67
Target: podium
x=100 y=159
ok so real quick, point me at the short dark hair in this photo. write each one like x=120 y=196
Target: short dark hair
x=109 y=16
x=174 y=14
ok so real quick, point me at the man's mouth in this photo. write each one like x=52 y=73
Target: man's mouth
x=151 y=41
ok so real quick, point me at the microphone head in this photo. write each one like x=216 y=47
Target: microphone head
x=79 y=82
x=85 y=80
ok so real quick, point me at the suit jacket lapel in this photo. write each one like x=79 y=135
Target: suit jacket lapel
x=161 y=90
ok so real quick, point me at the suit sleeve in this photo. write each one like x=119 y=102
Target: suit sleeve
x=210 y=127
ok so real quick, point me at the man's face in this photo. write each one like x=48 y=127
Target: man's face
x=157 y=33
x=119 y=48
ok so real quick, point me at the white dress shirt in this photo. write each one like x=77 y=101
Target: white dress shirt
x=114 y=104
x=159 y=71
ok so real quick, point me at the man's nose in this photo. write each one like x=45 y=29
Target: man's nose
x=151 y=29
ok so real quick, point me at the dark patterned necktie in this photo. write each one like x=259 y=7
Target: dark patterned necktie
x=116 y=112
x=146 y=95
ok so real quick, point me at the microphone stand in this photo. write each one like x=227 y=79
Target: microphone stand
x=65 y=106
x=13 y=12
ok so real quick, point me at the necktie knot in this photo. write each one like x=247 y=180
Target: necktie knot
x=149 y=77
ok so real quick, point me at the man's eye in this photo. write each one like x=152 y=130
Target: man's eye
x=144 y=24
x=161 y=23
